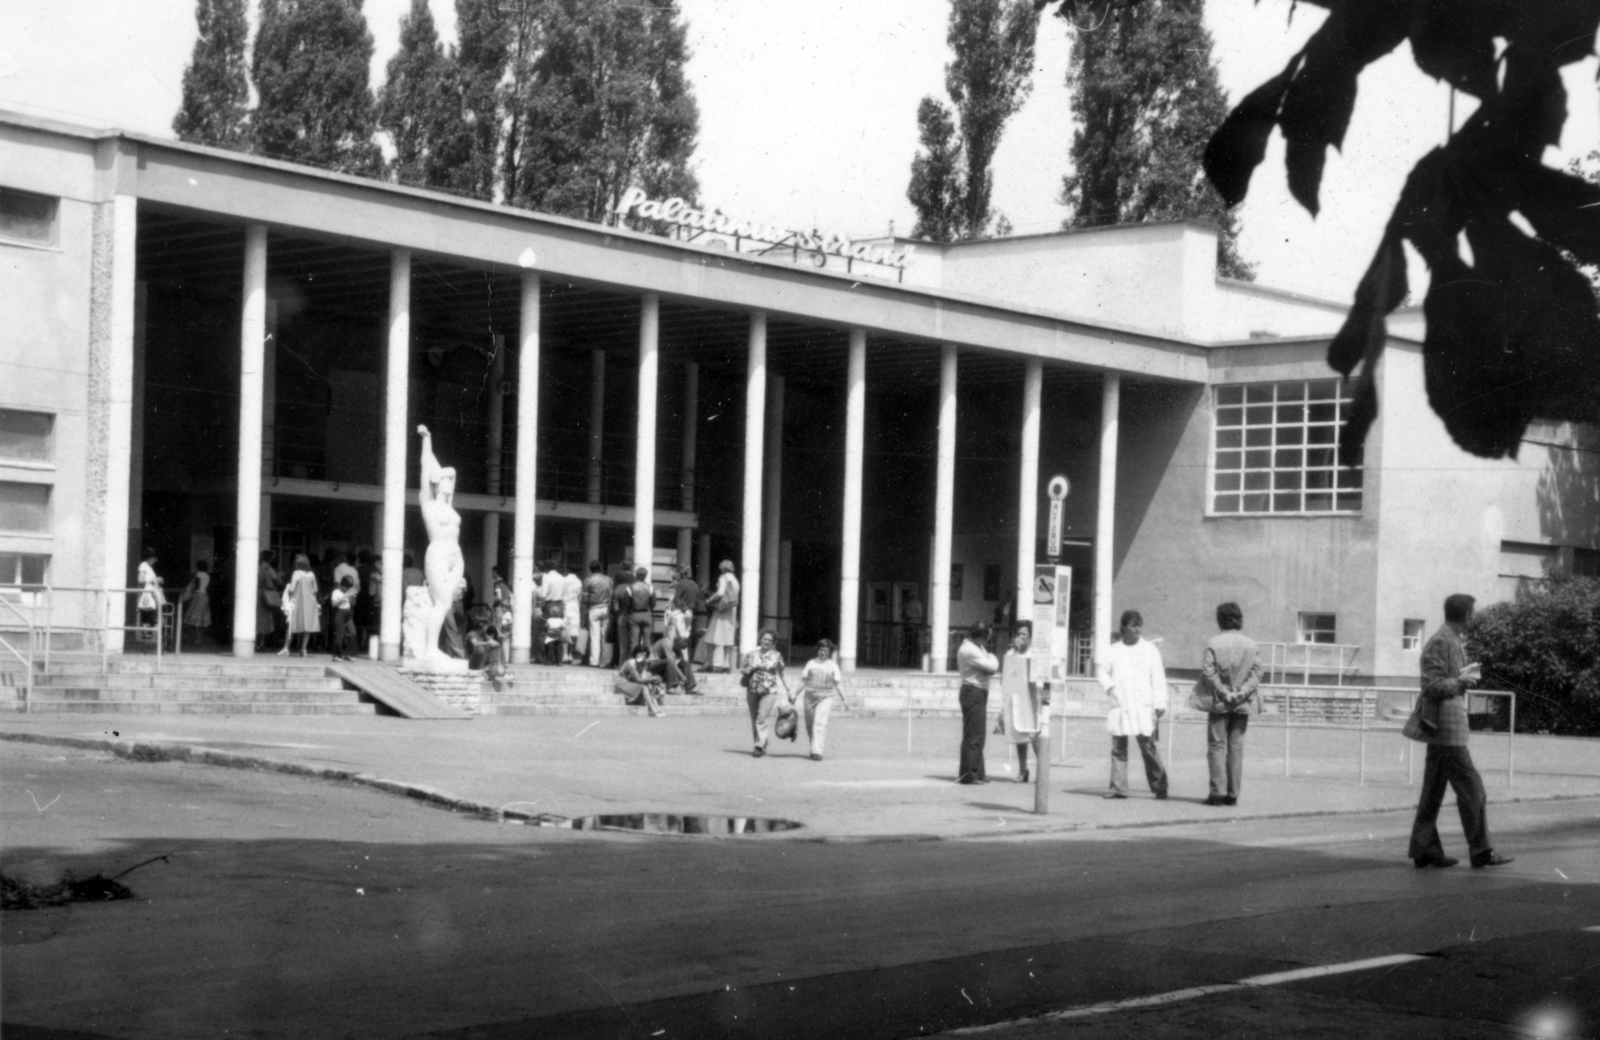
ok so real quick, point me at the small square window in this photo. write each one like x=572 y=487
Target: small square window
x=23 y=568
x=26 y=217
x=24 y=508
x=1318 y=628
x=26 y=436
x=1411 y=634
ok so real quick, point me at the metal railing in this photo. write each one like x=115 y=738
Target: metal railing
x=27 y=660
x=1305 y=660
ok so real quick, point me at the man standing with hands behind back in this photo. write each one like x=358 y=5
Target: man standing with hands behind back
x=1229 y=693
x=1440 y=721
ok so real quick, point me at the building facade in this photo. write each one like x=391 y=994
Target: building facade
x=215 y=355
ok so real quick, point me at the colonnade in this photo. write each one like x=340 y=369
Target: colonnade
x=764 y=401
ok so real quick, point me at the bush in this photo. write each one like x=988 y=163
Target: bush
x=1546 y=649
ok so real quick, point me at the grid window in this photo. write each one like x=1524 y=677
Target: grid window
x=1411 y=634
x=24 y=508
x=26 y=217
x=26 y=436
x=1276 y=450
x=23 y=568
x=1318 y=628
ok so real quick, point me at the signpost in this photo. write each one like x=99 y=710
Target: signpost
x=1052 y=597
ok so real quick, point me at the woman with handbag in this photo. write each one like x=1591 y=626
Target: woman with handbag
x=269 y=600
x=761 y=675
x=722 y=634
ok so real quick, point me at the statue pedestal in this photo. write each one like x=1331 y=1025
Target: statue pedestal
x=414 y=623
x=460 y=689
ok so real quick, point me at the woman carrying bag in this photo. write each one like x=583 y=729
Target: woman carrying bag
x=761 y=675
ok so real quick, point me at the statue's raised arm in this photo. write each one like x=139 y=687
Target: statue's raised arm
x=428 y=485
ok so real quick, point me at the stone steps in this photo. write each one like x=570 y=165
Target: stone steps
x=96 y=707
x=215 y=695
x=115 y=681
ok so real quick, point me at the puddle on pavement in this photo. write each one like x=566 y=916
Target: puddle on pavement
x=671 y=823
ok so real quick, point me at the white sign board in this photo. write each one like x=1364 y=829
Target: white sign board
x=1052 y=595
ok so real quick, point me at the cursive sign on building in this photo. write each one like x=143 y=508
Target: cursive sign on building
x=678 y=212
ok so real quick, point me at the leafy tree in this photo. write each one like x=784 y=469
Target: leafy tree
x=310 y=70
x=604 y=106
x=422 y=107
x=988 y=81
x=936 y=179
x=1512 y=330
x=1546 y=648
x=216 y=91
x=484 y=40
x=1147 y=98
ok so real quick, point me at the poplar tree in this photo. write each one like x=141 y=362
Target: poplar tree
x=603 y=105
x=310 y=69
x=485 y=38
x=421 y=107
x=216 y=90
x=1147 y=98
x=988 y=80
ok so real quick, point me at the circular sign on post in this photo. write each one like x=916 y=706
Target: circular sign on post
x=1058 y=492
x=1058 y=487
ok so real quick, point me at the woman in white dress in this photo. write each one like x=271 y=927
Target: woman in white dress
x=722 y=635
x=1024 y=702
x=1132 y=675
x=151 y=600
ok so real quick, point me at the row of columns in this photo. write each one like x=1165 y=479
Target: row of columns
x=764 y=401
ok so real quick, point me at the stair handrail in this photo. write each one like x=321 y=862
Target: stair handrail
x=27 y=662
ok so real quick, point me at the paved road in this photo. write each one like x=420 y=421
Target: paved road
x=298 y=908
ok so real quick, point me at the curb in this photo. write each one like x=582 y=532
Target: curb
x=146 y=751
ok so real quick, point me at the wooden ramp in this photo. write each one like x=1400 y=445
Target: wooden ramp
x=393 y=690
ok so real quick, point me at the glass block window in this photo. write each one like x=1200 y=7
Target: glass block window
x=26 y=436
x=24 y=508
x=1277 y=450
x=1318 y=628
x=23 y=568
x=1411 y=634
x=26 y=217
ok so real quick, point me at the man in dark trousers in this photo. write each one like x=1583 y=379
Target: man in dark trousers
x=1440 y=721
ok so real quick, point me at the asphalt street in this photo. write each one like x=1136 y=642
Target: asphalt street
x=292 y=907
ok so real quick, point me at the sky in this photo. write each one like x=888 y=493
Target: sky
x=808 y=111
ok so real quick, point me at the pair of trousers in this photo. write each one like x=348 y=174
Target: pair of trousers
x=1452 y=767
x=762 y=705
x=667 y=668
x=633 y=630
x=818 y=708
x=599 y=649
x=1153 y=770
x=1225 y=753
x=974 y=714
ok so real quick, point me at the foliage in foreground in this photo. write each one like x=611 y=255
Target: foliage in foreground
x=1545 y=648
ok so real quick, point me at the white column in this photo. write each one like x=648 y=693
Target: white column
x=396 y=438
x=497 y=419
x=750 y=545
x=247 y=548
x=850 y=558
x=943 y=511
x=527 y=471
x=771 y=501
x=1106 y=511
x=691 y=435
x=644 y=466
x=1028 y=493
x=597 y=430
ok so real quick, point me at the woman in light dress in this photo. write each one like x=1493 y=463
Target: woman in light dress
x=1024 y=702
x=722 y=633
x=300 y=606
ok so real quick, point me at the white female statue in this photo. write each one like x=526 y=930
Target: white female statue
x=443 y=565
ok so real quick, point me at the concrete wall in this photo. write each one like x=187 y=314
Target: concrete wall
x=44 y=343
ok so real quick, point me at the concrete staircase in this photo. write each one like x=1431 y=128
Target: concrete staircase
x=131 y=685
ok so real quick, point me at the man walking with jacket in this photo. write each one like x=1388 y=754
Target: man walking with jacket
x=1446 y=677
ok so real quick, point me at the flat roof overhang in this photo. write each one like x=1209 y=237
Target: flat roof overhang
x=222 y=186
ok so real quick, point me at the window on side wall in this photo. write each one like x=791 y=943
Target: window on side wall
x=23 y=568
x=26 y=437
x=1318 y=628
x=26 y=217
x=24 y=508
x=1411 y=634
x=1275 y=450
